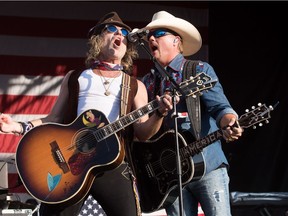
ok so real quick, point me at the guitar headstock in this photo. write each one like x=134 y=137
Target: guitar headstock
x=257 y=115
x=195 y=85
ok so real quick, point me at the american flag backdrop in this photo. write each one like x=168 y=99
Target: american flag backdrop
x=41 y=41
x=91 y=207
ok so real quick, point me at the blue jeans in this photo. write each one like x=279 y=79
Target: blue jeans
x=212 y=192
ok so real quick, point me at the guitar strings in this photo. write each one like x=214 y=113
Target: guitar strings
x=87 y=138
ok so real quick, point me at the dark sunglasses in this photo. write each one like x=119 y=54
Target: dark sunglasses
x=159 y=33
x=113 y=29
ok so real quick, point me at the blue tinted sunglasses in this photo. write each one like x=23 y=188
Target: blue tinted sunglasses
x=113 y=29
x=158 y=33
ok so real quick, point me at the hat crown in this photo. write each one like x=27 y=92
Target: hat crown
x=191 y=38
x=109 y=18
x=162 y=15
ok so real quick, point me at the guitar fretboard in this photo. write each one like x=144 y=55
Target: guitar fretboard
x=124 y=121
x=198 y=145
x=255 y=116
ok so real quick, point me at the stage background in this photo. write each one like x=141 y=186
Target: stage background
x=246 y=43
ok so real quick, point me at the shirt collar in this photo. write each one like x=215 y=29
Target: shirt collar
x=177 y=63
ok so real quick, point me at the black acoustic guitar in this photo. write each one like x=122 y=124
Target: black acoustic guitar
x=57 y=163
x=155 y=161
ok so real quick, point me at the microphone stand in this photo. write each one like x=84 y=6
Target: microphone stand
x=164 y=73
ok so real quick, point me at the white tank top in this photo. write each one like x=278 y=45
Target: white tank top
x=91 y=94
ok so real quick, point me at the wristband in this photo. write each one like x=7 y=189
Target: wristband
x=159 y=114
x=26 y=126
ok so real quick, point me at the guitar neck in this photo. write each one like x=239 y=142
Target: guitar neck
x=198 y=145
x=124 y=121
x=251 y=118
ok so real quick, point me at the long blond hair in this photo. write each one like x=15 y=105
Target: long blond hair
x=95 y=43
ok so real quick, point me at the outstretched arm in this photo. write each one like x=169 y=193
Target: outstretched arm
x=9 y=126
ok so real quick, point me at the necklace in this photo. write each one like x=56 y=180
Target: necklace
x=106 y=83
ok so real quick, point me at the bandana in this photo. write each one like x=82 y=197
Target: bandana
x=106 y=66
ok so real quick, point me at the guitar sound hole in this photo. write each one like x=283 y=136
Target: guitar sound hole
x=168 y=160
x=85 y=141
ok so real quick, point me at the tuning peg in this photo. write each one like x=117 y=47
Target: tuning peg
x=271 y=107
x=247 y=110
x=191 y=78
x=259 y=104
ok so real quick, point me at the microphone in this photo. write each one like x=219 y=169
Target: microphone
x=137 y=34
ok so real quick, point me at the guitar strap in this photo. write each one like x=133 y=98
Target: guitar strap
x=193 y=104
x=124 y=94
x=129 y=90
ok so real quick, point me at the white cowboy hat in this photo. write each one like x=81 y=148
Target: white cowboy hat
x=191 y=37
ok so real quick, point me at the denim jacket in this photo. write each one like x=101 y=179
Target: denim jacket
x=214 y=105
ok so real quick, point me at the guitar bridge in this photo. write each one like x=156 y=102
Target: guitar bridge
x=58 y=157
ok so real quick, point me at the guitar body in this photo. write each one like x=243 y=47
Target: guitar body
x=58 y=163
x=155 y=168
x=155 y=161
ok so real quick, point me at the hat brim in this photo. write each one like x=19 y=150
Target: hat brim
x=191 y=37
x=98 y=28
